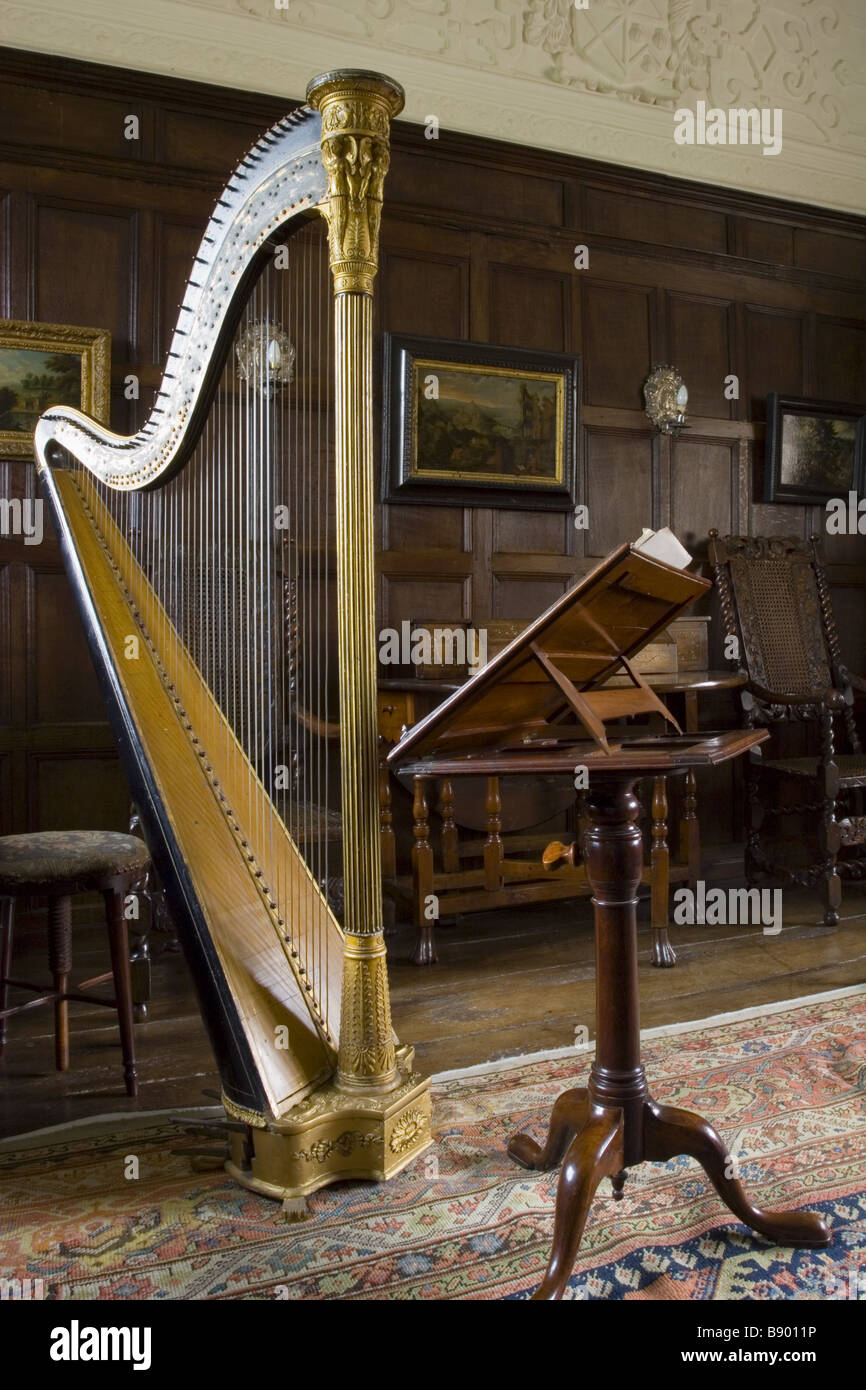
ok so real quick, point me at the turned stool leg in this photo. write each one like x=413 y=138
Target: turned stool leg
x=60 y=964
x=7 y=908
x=118 y=942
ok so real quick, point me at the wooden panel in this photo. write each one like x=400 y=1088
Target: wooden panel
x=699 y=339
x=840 y=361
x=617 y=341
x=530 y=308
x=645 y=219
x=525 y=596
x=842 y=550
x=7 y=824
x=78 y=792
x=766 y=241
x=424 y=528
x=701 y=488
x=178 y=244
x=201 y=142
x=425 y=294
x=425 y=181
x=774 y=519
x=618 y=488
x=849 y=605
x=33 y=116
x=84 y=268
x=423 y=597
x=774 y=356
x=831 y=253
x=64 y=685
x=6 y=311
x=7 y=711
x=543 y=532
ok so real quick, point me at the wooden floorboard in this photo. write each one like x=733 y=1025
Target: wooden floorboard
x=507 y=983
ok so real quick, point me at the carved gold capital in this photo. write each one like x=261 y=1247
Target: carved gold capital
x=356 y=108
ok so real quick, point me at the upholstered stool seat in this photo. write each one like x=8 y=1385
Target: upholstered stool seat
x=57 y=864
x=34 y=863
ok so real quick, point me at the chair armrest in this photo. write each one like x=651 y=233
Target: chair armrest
x=830 y=698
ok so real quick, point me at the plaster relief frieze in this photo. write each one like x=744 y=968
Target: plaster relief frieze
x=602 y=81
x=795 y=54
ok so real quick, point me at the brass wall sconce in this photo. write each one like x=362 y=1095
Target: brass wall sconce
x=266 y=357
x=666 y=398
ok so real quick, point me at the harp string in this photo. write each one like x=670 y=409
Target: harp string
x=248 y=602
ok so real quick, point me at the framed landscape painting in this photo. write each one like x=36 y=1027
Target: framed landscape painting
x=474 y=424
x=44 y=364
x=814 y=449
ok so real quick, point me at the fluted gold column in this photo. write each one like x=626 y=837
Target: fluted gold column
x=356 y=109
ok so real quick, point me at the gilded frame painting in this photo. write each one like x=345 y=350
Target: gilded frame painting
x=45 y=364
x=472 y=424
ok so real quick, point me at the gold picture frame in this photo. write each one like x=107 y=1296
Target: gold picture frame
x=476 y=424
x=27 y=387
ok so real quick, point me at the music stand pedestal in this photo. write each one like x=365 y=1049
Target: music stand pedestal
x=607 y=1127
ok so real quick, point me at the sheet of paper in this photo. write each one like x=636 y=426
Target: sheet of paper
x=663 y=545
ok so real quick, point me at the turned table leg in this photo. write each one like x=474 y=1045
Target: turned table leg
x=450 y=841
x=690 y=831
x=614 y=1123
x=493 y=851
x=660 y=878
x=422 y=876
x=387 y=837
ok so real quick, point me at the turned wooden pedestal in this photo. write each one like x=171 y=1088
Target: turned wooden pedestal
x=603 y=1129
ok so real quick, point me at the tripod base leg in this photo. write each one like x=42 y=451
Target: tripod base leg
x=669 y=1131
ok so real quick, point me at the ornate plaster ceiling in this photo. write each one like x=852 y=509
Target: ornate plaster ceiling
x=600 y=78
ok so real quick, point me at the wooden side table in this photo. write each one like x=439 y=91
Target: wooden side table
x=505 y=880
x=613 y=1123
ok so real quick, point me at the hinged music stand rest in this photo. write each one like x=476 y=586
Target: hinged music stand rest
x=536 y=708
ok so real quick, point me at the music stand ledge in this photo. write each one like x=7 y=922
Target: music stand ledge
x=613 y=1123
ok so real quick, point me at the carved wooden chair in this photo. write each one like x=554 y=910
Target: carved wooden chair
x=775 y=601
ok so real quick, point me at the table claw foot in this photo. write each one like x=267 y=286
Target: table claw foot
x=596 y=1152
x=570 y=1113
x=669 y=1131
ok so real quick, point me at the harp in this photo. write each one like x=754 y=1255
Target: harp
x=212 y=555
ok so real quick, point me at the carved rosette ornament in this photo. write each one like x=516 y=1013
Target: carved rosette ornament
x=356 y=108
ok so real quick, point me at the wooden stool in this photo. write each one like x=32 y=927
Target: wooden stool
x=56 y=864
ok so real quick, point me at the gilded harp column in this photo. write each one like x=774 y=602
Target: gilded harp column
x=356 y=109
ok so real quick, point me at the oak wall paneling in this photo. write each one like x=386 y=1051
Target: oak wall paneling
x=478 y=242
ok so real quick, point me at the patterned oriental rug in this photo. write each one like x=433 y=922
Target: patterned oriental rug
x=785 y=1086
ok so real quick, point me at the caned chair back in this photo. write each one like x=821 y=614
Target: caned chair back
x=771 y=598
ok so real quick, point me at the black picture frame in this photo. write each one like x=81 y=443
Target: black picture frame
x=549 y=425
x=789 y=479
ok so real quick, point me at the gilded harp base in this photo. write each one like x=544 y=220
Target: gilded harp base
x=333 y=1136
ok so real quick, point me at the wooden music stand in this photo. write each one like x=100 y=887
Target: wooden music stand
x=530 y=711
